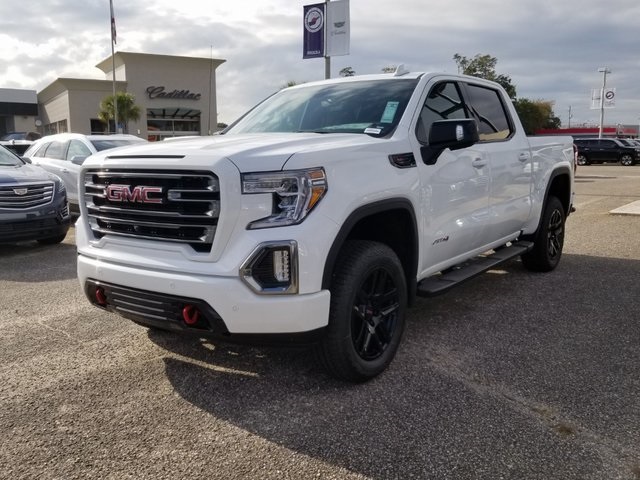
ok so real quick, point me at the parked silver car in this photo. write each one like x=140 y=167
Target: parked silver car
x=64 y=153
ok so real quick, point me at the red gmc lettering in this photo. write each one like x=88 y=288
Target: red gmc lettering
x=138 y=194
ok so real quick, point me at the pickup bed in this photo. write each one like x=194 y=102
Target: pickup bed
x=320 y=214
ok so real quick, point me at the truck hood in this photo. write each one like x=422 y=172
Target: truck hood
x=248 y=152
x=24 y=173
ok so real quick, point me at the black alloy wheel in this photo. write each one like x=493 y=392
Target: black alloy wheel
x=548 y=240
x=374 y=317
x=367 y=314
x=555 y=234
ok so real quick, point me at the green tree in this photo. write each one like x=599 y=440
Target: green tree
x=291 y=83
x=484 y=66
x=536 y=114
x=347 y=72
x=127 y=109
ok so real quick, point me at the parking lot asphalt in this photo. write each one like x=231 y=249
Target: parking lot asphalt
x=513 y=375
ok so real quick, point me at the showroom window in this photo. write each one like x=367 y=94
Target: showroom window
x=172 y=122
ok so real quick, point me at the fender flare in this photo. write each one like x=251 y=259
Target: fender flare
x=411 y=265
x=566 y=202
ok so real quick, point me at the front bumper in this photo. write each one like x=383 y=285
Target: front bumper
x=35 y=224
x=230 y=306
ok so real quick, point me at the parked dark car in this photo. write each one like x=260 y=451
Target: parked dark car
x=33 y=202
x=601 y=150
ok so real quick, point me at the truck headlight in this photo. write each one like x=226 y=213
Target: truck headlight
x=295 y=194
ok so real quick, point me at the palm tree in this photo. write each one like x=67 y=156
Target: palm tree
x=127 y=109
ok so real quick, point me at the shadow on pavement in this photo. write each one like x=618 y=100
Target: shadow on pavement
x=32 y=262
x=488 y=381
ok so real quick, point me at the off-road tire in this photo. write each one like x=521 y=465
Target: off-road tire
x=548 y=240
x=367 y=316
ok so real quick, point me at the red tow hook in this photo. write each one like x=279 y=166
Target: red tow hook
x=101 y=296
x=190 y=315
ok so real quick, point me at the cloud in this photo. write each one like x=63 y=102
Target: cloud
x=551 y=50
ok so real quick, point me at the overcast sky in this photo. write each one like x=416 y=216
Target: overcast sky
x=551 y=49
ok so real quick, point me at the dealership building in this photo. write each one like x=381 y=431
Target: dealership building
x=176 y=96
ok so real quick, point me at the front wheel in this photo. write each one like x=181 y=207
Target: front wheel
x=548 y=240
x=367 y=316
x=52 y=240
x=626 y=160
x=582 y=159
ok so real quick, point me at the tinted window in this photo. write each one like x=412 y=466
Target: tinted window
x=443 y=102
x=487 y=106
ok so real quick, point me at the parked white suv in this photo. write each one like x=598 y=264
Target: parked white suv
x=63 y=154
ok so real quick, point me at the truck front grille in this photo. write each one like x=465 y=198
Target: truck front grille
x=170 y=206
x=22 y=196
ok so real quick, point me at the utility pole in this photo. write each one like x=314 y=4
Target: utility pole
x=604 y=71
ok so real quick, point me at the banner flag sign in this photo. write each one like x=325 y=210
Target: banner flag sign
x=337 y=28
x=313 y=32
x=609 y=98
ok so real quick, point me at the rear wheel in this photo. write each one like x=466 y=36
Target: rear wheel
x=367 y=316
x=626 y=160
x=548 y=240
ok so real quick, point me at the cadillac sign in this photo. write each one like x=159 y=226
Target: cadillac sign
x=154 y=92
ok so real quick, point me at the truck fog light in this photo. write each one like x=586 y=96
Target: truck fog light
x=272 y=268
x=281 y=270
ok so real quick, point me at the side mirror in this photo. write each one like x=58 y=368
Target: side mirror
x=451 y=134
x=78 y=159
x=25 y=159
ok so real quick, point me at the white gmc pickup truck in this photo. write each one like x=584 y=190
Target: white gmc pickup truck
x=322 y=213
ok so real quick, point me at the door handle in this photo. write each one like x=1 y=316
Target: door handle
x=478 y=162
x=524 y=156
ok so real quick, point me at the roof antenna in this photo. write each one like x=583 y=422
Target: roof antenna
x=400 y=70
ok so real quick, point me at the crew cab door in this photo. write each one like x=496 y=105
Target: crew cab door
x=454 y=187
x=509 y=155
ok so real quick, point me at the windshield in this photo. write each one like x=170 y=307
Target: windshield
x=370 y=106
x=112 y=143
x=8 y=159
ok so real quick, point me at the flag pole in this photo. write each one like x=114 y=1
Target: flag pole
x=113 y=67
x=327 y=58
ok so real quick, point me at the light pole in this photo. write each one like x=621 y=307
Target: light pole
x=604 y=71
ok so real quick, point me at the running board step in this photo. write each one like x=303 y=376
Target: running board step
x=451 y=277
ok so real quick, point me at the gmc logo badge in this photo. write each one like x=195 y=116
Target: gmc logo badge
x=138 y=194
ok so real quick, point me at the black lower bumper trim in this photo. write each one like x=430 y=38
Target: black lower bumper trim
x=165 y=312
x=156 y=310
